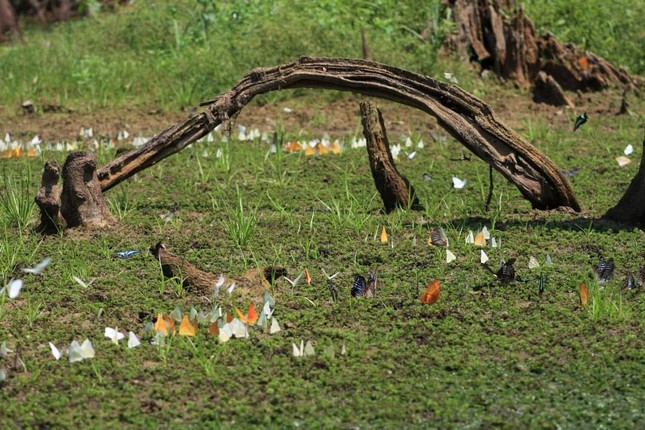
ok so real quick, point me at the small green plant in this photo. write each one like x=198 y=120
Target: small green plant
x=121 y=204
x=17 y=201
x=241 y=222
x=33 y=311
x=606 y=304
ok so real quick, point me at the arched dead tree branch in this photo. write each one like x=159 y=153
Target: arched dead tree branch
x=465 y=117
x=631 y=207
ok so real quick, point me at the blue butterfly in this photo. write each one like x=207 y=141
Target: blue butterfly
x=365 y=288
x=127 y=254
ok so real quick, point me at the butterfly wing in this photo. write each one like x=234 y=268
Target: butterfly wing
x=359 y=287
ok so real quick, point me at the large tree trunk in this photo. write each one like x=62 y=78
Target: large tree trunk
x=465 y=117
x=394 y=188
x=8 y=20
x=631 y=207
x=514 y=51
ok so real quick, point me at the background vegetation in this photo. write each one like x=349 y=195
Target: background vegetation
x=174 y=54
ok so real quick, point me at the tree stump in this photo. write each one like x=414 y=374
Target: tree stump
x=394 y=188
x=80 y=202
x=546 y=90
x=631 y=207
x=514 y=51
x=48 y=200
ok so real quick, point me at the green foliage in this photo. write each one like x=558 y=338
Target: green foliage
x=613 y=30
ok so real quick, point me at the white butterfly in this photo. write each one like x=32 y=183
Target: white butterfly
x=470 y=237
x=4 y=350
x=329 y=277
x=231 y=288
x=294 y=282
x=39 y=267
x=493 y=243
x=13 y=288
x=421 y=144
x=225 y=333
x=408 y=142
x=3 y=375
x=238 y=328
x=629 y=149
x=133 y=340
x=78 y=352
x=486 y=233
x=483 y=257
x=176 y=314
x=411 y=155
x=82 y=283
x=623 y=161
x=548 y=260
x=533 y=263
x=451 y=77
x=450 y=257
x=113 y=334
x=55 y=352
x=303 y=351
x=458 y=183
x=275 y=326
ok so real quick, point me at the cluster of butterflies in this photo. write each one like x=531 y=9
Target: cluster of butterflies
x=307 y=350
x=222 y=325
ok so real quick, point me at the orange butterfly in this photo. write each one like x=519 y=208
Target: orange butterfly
x=213 y=329
x=335 y=147
x=187 y=328
x=480 y=239
x=307 y=277
x=251 y=316
x=309 y=151
x=383 y=235
x=584 y=63
x=164 y=324
x=584 y=295
x=229 y=316
x=293 y=146
x=431 y=294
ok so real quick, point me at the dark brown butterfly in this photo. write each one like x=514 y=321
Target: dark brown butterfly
x=438 y=237
x=640 y=277
x=364 y=288
x=604 y=270
x=506 y=272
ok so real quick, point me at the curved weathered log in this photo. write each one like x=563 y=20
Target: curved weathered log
x=468 y=119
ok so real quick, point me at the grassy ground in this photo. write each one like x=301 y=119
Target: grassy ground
x=485 y=355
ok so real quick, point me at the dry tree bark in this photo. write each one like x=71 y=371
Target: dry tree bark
x=80 y=200
x=252 y=284
x=394 y=188
x=631 y=207
x=514 y=51
x=548 y=91
x=8 y=20
x=465 y=117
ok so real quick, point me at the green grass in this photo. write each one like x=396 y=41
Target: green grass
x=174 y=54
x=485 y=355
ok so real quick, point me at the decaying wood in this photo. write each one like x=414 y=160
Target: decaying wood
x=631 y=207
x=48 y=200
x=547 y=90
x=465 y=117
x=513 y=50
x=394 y=188
x=82 y=201
x=8 y=20
x=252 y=284
x=78 y=201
